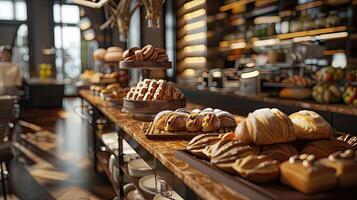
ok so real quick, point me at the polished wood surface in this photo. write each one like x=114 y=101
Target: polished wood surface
x=51 y=158
x=163 y=150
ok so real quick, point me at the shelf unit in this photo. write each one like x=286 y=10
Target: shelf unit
x=229 y=33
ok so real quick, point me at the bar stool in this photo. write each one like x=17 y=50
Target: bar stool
x=7 y=116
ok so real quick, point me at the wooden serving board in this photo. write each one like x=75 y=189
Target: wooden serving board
x=251 y=190
x=155 y=134
x=145 y=65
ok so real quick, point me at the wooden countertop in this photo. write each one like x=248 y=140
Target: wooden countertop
x=303 y=104
x=201 y=184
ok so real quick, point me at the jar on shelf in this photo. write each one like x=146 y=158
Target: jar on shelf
x=320 y=21
x=332 y=19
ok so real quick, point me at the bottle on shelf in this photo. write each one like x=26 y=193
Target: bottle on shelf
x=332 y=19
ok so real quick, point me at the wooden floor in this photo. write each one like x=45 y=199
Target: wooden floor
x=51 y=159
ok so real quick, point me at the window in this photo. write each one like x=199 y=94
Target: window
x=67 y=40
x=13 y=10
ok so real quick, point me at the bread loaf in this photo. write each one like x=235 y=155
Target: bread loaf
x=307 y=175
x=310 y=126
x=265 y=126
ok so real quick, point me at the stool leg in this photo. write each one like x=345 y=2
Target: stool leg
x=3 y=181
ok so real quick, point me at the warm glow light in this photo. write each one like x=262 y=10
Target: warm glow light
x=303 y=39
x=189 y=72
x=332 y=36
x=268 y=42
x=195 y=14
x=195 y=25
x=238 y=45
x=267 y=20
x=193 y=3
x=192 y=60
x=195 y=48
x=196 y=36
x=217 y=74
x=250 y=74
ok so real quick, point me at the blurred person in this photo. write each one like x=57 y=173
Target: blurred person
x=10 y=76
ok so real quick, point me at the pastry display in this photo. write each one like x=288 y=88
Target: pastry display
x=345 y=165
x=105 y=78
x=307 y=175
x=258 y=168
x=201 y=142
x=298 y=81
x=113 y=92
x=152 y=90
x=310 y=126
x=147 y=53
x=349 y=139
x=319 y=148
x=265 y=126
x=87 y=75
x=326 y=93
x=280 y=152
x=196 y=120
x=224 y=153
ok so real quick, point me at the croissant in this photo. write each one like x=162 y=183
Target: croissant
x=310 y=126
x=199 y=143
x=256 y=168
x=224 y=153
x=265 y=126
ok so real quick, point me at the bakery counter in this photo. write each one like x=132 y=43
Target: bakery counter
x=187 y=181
x=341 y=117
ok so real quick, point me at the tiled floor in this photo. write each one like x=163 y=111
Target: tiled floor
x=52 y=155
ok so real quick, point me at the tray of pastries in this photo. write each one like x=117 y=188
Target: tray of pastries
x=113 y=93
x=148 y=57
x=271 y=155
x=150 y=97
x=185 y=124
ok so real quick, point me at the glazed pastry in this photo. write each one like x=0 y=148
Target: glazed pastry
x=319 y=148
x=160 y=119
x=139 y=55
x=310 y=126
x=196 y=110
x=349 y=139
x=224 y=153
x=148 y=50
x=227 y=119
x=258 y=168
x=183 y=110
x=280 y=152
x=210 y=123
x=198 y=144
x=345 y=164
x=216 y=111
x=265 y=126
x=176 y=122
x=207 y=110
x=339 y=145
x=307 y=175
x=194 y=122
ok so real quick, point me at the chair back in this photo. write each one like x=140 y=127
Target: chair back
x=7 y=115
